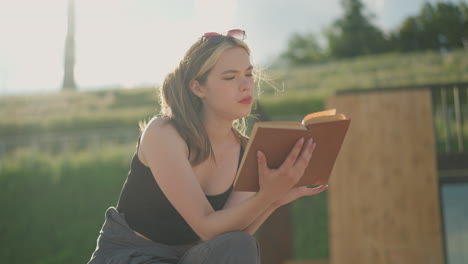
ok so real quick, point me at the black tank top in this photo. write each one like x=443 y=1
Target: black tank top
x=149 y=212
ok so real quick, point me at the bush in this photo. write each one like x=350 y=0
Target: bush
x=54 y=205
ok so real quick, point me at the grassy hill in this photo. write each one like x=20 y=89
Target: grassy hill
x=376 y=71
x=297 y=91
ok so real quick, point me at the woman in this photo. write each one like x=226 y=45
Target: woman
x=177 y=204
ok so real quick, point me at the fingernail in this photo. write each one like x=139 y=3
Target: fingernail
x=259 y=155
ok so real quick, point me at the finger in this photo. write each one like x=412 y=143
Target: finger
x=262 y=163
x=292 y=195
x=292 y=156
x=303 y=160
x=316 y=190
x=298 y=192
x=307 y=150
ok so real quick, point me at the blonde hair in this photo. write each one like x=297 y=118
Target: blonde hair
x=183 y=108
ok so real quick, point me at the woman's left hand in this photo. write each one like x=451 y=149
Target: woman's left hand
x=298 y=192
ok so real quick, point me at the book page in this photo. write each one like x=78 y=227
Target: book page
x=282 y=124
x=325 y=119
x=318 y=114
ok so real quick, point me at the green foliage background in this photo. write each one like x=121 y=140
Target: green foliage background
x=440 y=27
x=53 y=206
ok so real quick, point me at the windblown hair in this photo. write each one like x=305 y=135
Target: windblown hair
x=183 y=108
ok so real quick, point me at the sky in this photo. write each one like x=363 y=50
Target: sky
x=137 y=42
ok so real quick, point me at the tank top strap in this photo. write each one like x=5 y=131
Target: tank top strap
x=241 y=154
x=138 y=142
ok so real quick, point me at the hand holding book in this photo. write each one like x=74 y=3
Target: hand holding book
x=276 y=139
x=276 y=183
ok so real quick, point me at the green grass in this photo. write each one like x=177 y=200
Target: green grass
x=75 y=111
x=53 y=206
x=310 y=227
x=298 y=91
x=376 y=71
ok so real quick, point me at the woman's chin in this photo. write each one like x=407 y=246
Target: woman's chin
x=244 y=114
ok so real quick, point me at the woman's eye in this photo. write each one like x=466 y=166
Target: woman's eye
x=229 y=78
x=249 y=75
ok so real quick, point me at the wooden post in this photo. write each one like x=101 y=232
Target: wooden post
x=384 y=194
x=458 y=121
x=446 y=120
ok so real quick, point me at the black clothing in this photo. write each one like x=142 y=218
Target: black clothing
x=149 y=212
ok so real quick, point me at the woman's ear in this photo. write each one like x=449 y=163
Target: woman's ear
x=197 y=89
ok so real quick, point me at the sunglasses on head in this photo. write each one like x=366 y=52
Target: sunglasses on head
x=217 y=38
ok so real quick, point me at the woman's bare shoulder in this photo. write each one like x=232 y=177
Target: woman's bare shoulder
x=159 y=134
x=160 y=127
x=159 y=121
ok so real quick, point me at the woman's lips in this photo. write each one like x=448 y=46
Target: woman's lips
x=246 y=100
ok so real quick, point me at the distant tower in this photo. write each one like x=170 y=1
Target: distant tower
x=69 y=64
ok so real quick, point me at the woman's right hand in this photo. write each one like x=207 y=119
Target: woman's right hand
x=275 y=183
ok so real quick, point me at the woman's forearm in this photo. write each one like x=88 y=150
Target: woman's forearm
x=239 y=217
x=253 y=227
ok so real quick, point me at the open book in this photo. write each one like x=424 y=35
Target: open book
x=276 y=139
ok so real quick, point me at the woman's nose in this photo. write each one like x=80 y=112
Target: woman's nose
x=246 y=84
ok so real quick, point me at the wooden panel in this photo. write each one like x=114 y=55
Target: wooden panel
x=383 y=194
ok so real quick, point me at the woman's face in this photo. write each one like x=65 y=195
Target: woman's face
x=228 y=90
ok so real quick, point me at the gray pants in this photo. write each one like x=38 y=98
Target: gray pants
x=118 y=244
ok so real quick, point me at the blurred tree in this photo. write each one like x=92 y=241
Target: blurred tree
x=354 y=34
x=464 y=12
x=442 y=26
x=303 y=49
x=408 y=39
x=437 y=27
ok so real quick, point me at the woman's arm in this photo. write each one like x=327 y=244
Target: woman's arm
x=164 y=151
x=252 y=228
x=292 y=195
x=238 y=197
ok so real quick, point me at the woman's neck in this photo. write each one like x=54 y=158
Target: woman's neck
x=219 y=130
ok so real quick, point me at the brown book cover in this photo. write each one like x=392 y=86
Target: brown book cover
x=276 y=140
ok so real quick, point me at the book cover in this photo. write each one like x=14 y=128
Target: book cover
x=276 y=139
